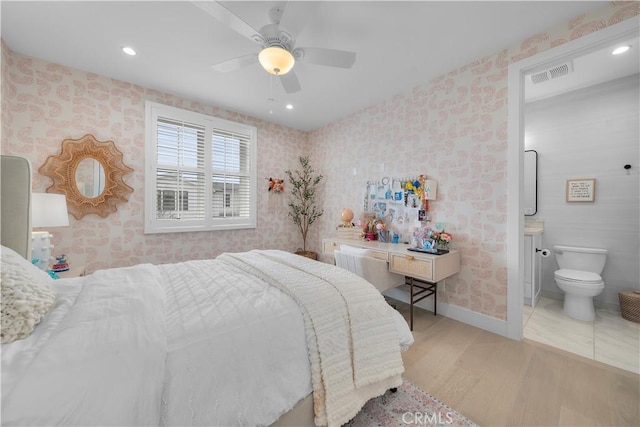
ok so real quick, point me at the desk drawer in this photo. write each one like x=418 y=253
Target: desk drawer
x=329 y=247
x=409 y=265
x=379 y=254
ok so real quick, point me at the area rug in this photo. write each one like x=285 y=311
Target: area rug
x=406 y=407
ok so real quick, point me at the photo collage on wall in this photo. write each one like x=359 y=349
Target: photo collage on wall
x=400 y=203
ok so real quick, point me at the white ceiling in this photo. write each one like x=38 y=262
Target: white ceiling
x=398 y=45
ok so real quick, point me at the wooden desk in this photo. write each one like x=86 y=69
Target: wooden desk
x=422 y=271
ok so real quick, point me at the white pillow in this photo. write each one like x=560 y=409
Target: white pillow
x=346 y=249
x=27 y=295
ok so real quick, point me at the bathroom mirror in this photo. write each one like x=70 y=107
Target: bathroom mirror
x=530 y=182
x=90 y=174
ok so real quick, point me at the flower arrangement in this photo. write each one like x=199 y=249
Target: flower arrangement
x=442 y=239
x=428 y=238
x=373 y=227
x=277 y=185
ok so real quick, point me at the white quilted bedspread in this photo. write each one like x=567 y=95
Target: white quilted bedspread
x=193 y=343
x=245 y=335
x=97 y=359
x=354 y=347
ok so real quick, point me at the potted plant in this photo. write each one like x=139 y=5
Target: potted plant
x=302 y=205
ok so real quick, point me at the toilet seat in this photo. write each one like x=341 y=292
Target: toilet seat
x=578 y=276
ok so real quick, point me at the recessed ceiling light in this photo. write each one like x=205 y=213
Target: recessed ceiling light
x=129 y=50
x=289 y=107
x=621 y=49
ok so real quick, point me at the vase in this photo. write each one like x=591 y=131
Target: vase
x=442 y=246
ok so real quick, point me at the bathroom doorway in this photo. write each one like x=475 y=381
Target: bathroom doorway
x=569 y=53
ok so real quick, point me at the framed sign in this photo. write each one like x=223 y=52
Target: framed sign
x=581 y=190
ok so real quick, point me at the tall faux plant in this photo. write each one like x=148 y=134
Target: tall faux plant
x=302 y=205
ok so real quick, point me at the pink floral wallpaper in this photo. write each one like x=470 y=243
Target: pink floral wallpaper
x=454 y=130
x=44 y=103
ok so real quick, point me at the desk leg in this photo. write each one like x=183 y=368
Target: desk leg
x=426 y=289
x=435 y=299
x=411 y=305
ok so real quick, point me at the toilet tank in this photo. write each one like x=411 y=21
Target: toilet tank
x=577 y=258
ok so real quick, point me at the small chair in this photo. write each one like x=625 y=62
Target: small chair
x=374 y=270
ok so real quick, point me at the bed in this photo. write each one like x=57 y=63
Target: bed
x=256 y=338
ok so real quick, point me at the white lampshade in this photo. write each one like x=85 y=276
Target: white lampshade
x=49 y=210
x=276 y=60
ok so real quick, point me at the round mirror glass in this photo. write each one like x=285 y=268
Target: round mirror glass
x=90 y=178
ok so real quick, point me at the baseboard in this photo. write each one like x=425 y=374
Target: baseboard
x=455 y=312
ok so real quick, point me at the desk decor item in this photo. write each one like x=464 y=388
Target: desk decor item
x=347 y=229
x=433 y=240
x=372 y=227
x=347 y=216
x=61 y=264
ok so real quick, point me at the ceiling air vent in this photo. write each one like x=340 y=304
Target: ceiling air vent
x=552 y=73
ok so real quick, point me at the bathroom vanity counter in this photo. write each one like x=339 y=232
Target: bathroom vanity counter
x=533 y=227
x=532 y=231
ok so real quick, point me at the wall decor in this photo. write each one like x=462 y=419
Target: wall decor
x=581 y=190
x=401 y=203
x=90 y=174
x=276 y=185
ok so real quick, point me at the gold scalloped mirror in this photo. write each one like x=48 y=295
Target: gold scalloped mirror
x=90 y=174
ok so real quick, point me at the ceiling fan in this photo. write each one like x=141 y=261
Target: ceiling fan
x=278 y=51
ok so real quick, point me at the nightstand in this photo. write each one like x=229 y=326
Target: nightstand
x=74 y=271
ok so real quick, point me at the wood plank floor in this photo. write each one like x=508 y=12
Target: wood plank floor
x=496 y=381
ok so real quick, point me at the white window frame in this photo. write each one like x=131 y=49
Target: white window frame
x=153 y=225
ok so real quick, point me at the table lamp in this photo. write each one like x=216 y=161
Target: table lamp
x=47 y=210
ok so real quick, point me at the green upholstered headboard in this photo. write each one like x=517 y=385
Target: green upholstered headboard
x=15 y=204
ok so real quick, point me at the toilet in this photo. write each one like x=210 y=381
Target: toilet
x=579 y=278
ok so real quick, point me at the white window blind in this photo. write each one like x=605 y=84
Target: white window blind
x=201 y=172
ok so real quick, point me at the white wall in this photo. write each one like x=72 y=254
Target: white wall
x=590 y=133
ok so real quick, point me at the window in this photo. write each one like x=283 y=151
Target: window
x=167 y=200
x=200 y=174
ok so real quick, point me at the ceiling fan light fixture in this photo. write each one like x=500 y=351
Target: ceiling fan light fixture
x=276 y=60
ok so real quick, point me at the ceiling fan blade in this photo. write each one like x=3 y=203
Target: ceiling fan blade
x=296 y=15
x=235 y=63
x=230 y=19
x=290 y=82
x=329 y=57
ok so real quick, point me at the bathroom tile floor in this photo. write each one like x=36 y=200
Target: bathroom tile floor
x=609 y=339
